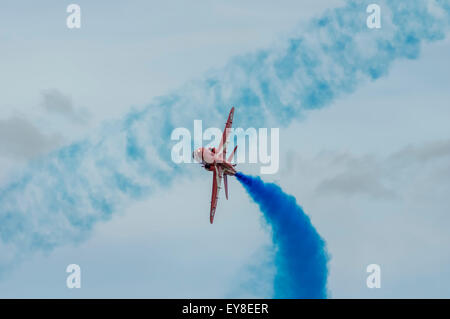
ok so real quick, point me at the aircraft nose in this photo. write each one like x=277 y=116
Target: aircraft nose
x=195 y=155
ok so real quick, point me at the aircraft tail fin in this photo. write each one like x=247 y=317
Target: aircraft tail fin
x=225 y=183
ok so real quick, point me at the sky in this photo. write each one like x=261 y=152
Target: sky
x=371 y=169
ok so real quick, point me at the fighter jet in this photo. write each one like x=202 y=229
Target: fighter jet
x=215 y=160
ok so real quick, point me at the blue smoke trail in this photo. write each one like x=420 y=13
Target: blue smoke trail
x=60 y=197
x=301 y=257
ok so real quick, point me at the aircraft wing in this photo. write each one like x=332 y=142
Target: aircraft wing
x=225 y=134
x=217 y=181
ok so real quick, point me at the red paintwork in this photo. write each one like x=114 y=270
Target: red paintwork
x=214 y=160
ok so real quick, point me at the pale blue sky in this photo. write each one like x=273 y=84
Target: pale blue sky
x=371 y=169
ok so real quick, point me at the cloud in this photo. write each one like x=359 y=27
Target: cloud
x=423 y=153
x=379 y=178
x=54 y=101
x=21 y=139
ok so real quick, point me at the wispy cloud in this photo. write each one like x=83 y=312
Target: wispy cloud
x=301 y=257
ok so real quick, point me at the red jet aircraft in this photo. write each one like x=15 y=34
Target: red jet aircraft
x=214 y=160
